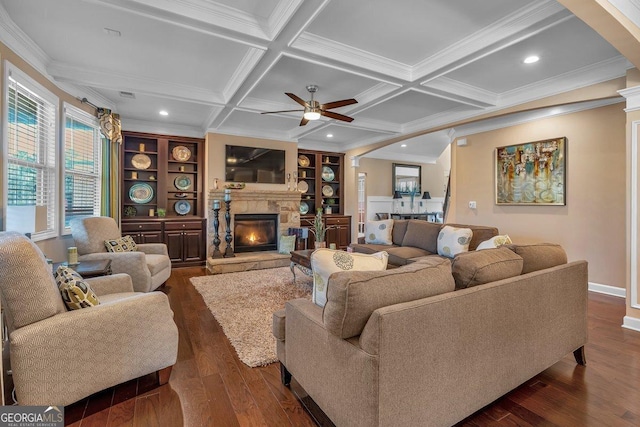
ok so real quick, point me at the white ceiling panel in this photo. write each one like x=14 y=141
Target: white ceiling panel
x=424 y=148
x=407 y=107
x=562 y=48
x=257 y=123
x=407 y=31
x=342 y=135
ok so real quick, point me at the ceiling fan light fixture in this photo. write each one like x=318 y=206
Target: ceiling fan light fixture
x=311 y=115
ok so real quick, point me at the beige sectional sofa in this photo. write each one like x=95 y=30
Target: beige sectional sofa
x=416 y=238
x=402 y=347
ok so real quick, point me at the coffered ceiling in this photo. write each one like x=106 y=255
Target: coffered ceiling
x=216 y=65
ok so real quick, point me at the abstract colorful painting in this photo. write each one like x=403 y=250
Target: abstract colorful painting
x=531 y=173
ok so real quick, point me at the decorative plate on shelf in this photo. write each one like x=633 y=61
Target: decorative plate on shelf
x=141 y=161
x=181 y=153
x=327 y=174
x=303 y=161
x=304 y=208
x=130 y=211
x=327 y=191
x=182 y=182
x=182 y=207
x=141 y=193
x=303 y=187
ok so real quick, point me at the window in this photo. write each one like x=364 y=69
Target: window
x=30 y=144
x=82 y=165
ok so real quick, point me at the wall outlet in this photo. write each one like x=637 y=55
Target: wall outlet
x=472 y=205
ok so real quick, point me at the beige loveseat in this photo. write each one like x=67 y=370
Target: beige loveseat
x=412 y=239
x=402 y=348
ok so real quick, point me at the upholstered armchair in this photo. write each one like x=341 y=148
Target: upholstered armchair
x=59 y=357
x=149 y=266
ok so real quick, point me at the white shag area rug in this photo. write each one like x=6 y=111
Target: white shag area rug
x=243 y=304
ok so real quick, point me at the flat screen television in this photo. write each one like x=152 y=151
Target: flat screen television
x=257 y=165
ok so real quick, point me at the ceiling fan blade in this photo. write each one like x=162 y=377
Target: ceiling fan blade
x=282 y=111
x=303 y=121
x=336 y=116
x=297 y=99
x=336 y=104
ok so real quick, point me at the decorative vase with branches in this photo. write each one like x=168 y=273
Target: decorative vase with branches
x=319 y=230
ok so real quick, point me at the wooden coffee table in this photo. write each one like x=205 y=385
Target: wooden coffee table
x=301 y=260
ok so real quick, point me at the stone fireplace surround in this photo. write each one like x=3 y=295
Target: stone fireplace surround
x=284 y=203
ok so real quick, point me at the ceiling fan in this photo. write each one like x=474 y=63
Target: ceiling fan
x=313 y=109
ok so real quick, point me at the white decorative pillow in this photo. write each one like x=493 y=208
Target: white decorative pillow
x=121 y=244
x=325 y=262
x=76 y=293
x=379 y=232
x=494 y=242
x=452 y=241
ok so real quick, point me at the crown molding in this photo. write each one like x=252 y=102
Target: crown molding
x=511 y=29
x=632 y=95
x=146 y=126
x=326 y=48
x=131 y=83
x=280 y=15
x=93 y=96
x=244 y=68
x=215 y=111
x=458 y=91
x=400 y=157
x=21 y=44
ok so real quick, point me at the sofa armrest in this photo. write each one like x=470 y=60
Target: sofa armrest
x=278 y=326
x=115 y=283
x=153 y=248
x=132 y=263
x=66 y=357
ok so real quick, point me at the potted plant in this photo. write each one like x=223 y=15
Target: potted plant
x=319 y=230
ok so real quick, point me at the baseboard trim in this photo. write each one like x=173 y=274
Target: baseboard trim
x=631 y=323
x=608 y=290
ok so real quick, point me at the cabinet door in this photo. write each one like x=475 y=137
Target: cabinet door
x=175 y=243
x=192 y=245
x=151 y=237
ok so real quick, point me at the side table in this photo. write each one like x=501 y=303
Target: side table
x=89 y=268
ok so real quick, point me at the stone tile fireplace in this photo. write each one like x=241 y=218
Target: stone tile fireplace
x=283 y=205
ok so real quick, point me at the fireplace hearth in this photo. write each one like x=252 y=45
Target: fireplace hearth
x=255 y=232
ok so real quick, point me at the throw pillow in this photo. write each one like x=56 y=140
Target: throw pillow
x=379 y=232
x=325 y=262
x=76 y=293
x=479 y=267
x=121 y=244
x=452 y=241
x=494 y=242
x=287 y=244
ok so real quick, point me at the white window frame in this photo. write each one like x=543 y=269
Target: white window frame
x=52 y=203
x=69 y=111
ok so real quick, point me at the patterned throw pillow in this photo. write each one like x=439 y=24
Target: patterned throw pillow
x=379 y=232
x=452 y=241
x=494 y=242
x=121 y=244
x=325 y=262
x=287 y=244
x=76 y=293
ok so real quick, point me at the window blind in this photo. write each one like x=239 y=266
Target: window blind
x=31 y=161
x=82 y=164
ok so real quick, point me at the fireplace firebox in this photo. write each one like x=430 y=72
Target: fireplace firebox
x=255 y=232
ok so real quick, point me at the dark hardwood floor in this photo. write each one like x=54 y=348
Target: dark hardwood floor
x=209 y=386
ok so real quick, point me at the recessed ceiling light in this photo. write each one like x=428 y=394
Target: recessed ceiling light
x=164 y=113
x=329 y=135
x=403 y=145
x=531 y=59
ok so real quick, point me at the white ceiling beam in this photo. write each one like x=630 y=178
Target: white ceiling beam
x=461 y=92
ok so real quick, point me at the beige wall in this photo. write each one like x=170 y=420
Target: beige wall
x=592 y=224
x=216 y=154
x=55 y=249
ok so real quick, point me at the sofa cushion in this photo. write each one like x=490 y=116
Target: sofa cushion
x=452 y=240
x=399 y=230
x=422 y=234
x=76 y=293
x=480 y=233
x=494 y=242
x=370 y=248
x=402 y=254
x=378 y=232
x=156 y=263
x=354 y=295
x=479 y=267
x=539 y=256
x=325 y=262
